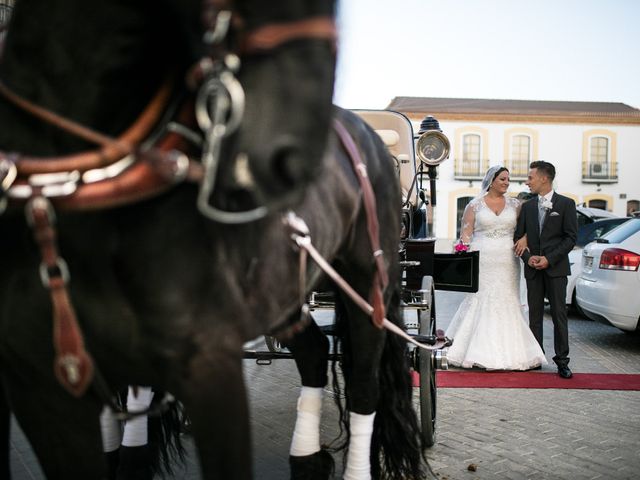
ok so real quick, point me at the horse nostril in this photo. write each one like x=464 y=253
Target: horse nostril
x=288 y=164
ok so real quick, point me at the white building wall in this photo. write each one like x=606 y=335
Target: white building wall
x=560 y=144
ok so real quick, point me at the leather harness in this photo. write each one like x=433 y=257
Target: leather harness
x=381 y=278
x=120 y=172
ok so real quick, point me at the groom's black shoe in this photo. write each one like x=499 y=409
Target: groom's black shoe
x=565 y=372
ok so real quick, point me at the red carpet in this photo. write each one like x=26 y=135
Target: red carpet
x=534 y=379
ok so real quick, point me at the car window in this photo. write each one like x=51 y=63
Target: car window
x=600 y=230
x=623 y=231
x=582 y=219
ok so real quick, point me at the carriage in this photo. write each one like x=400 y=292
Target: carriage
x=423 y=270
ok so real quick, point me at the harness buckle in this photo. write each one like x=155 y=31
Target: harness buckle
x=220 y=29
x=8 y=174
x=39 y=203
x=59 y=270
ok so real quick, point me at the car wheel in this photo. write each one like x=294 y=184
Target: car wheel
x=576 y=308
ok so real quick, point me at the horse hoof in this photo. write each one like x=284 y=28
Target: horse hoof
x=317 y=466
x=135 y=463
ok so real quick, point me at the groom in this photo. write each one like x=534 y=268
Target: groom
x=549 y=221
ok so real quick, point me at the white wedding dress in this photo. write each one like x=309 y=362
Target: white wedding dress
x=489 y=329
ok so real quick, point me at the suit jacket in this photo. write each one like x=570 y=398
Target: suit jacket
x=556 y=239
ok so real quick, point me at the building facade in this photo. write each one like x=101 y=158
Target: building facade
x=594 y=146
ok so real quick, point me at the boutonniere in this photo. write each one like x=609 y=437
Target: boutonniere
x=547 y=204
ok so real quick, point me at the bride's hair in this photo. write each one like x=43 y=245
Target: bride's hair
x=490 y=176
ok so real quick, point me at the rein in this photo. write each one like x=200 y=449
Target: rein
x=380 y=279
x=300 y=236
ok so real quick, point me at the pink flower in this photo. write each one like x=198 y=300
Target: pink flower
x=461 y=247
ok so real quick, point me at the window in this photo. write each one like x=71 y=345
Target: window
x=520 y=155
x=471 y=149
x=598 y=203
x=460 y=206
x=598 y=157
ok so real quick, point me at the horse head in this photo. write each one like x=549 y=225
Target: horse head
x=275 y=119
x=262 y=75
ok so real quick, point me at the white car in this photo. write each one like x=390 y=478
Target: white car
x=608 y=289
x=587 y=233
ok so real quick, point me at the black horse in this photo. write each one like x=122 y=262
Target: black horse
x=164 y=296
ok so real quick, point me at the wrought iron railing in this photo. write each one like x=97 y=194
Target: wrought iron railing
x=599 y=172
x=518 y=169
x=470 y=169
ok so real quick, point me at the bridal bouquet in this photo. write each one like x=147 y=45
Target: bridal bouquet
x=461 y=247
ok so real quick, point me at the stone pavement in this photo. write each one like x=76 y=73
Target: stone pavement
x=503 y=433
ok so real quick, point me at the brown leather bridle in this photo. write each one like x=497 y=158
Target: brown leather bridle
x=120 y=171
x=156 y=169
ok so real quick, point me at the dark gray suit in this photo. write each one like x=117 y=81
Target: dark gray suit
x=556 y=239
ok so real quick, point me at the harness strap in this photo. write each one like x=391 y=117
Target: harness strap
x=381 y=278
x=302 y=240
x=112 y=149
x=73 y=367
x=273 y=35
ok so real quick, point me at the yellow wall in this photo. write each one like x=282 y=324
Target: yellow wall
x=599 y=196
x=575 y=198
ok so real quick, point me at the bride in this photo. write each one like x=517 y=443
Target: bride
x=489 y=328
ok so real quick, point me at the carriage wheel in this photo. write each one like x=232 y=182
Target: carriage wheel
x=273 y=345
x=427 y=372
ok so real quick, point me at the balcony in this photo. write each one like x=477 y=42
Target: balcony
x=518 y=169
x=600 y=172
x=470 y=169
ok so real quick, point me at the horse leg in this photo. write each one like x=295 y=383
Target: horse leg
x=111 y=430
x=311 y=352
x=135 y=462
x=383 y=423
x=63 y=431
x=213 y=392
x=362 y=351
x=4 y=435
x=126 y=446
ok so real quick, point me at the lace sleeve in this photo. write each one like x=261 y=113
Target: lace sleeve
x=467 y=223
x=517 y=203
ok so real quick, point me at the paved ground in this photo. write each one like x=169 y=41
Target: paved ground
x=505 y=433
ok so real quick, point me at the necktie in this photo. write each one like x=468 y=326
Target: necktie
x=541 y=212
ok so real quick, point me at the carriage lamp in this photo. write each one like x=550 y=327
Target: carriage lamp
x=433 y=146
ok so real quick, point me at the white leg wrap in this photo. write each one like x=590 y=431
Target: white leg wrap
x=306 y=434
x=135 y=430
x=111 y=430
x=358 y=466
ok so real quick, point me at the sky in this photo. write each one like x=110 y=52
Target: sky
x=571 y=50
